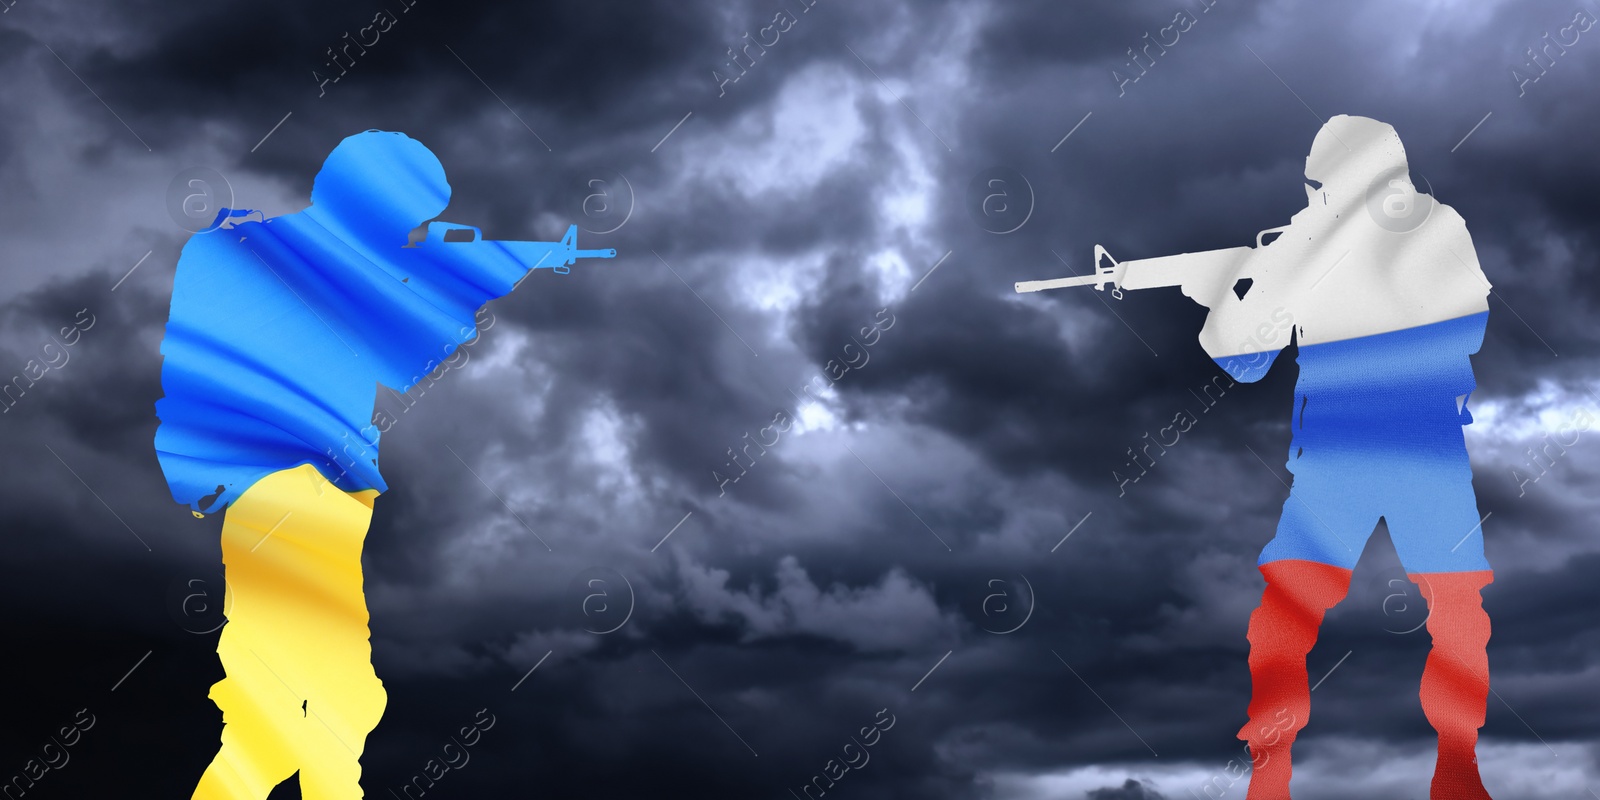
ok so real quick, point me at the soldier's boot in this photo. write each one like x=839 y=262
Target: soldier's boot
x=1282 y=631
x=1455 y=681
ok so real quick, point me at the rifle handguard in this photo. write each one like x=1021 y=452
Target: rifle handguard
x=1098 y=279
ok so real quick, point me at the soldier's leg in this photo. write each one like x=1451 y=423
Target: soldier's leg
x=258 y=750
x=298 y=618
x=1307 y=566
x=1439 y=538
x=261 y=717
x=337 y=730
x=1455 y=680
x=348 y=699
x=1282 y=632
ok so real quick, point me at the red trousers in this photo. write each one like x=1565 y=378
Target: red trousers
x=1455 y=680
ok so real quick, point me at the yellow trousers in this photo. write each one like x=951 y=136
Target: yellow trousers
x=300 y=692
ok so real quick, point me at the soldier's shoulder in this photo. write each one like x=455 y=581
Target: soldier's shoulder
x=233 y=233
x=1446 y=213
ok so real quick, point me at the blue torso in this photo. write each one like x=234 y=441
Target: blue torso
x=1386 y=400
x=280 y=332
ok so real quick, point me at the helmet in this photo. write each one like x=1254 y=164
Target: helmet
x=382 y=177
x=1349 y=152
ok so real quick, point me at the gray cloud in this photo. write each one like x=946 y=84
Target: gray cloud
x=818 y=190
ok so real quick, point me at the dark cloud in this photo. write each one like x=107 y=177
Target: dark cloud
x=1129 y=790
x=853 y=566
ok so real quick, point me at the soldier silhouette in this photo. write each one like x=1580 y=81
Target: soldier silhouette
x=280 y=332
x=1381 y=289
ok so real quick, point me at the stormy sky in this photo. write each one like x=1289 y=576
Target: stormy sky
x=938 y=533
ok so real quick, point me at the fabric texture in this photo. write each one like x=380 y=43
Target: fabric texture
x=280 y=330
x=300 y=694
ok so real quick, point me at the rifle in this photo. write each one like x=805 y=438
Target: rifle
x=557 y=256
x=1199 y=274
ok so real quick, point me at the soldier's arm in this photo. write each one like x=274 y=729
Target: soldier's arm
x=1252 y=315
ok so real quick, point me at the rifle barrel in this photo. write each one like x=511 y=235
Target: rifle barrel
x=1058 y=283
